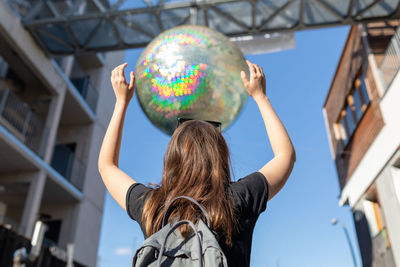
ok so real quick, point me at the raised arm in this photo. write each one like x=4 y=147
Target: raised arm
x=116 y=181
x=277 y=170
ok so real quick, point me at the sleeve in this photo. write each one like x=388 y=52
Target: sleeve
x=252 y=191
x=135 y=199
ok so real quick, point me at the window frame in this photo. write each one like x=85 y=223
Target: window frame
x=359 y=85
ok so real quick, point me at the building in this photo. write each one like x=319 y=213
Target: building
x=53 y=116
x=362 y=115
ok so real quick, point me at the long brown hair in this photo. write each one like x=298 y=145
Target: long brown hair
x=196 y=164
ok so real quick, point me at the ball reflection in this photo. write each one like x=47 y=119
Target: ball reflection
x=191 y=72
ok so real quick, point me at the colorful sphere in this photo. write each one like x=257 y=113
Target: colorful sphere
x=190 y=72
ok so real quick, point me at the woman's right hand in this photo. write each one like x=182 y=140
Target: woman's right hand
x=123 y=91
x=257 y=85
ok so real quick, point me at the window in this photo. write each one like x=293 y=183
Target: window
x=357 y=105
x=354 y=108
x=3 y=68
x=363 y=90
x=375 y=217
x=351 y=119
x=53 y=230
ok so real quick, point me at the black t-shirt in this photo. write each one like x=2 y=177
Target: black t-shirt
x=250 y=195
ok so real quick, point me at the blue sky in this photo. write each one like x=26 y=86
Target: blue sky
x=296 y=229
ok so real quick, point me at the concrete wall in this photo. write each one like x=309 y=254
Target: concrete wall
x=390 y=205
x=65 y=213
x=89 y=220
x=373 y=243
x=81 y=220
x=24 y=45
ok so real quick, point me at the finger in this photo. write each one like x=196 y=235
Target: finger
x=121 y=72
x=122 y=65
x=244 y=78
x=259 y=70
x=256 y=69
x=249 y=64
x=251 y=68
x=262 y=72
x=118 y=68
x=112 y=75
x=132 y=81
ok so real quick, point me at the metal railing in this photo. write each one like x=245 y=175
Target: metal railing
x=391 y=60
x=87 y=91
x=50 y=255
x=17 y=117
x=65 y=162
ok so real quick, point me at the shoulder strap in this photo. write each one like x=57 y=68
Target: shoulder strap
x=176 y=225
x=169 y=210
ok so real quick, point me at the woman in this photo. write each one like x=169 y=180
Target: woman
x=196 y=164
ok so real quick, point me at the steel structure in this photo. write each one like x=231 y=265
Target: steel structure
x=79 y=26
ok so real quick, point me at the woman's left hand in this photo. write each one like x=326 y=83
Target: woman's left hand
x=123 y=91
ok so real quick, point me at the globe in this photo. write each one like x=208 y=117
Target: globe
x=190 y=72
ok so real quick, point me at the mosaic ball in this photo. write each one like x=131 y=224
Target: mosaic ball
x=190 y=72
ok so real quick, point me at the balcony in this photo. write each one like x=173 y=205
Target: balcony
x=391 y=61
x=86 y=90
x=17 y=117
x=66 y=163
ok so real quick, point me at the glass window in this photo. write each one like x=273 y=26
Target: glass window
x=343 y=130
x=3 y=68
x=350 y=120
x=357 y=102
x=364 y=92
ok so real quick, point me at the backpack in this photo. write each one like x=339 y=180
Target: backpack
x=167 y=247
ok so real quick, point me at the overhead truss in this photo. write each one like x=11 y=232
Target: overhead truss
x=81 y=26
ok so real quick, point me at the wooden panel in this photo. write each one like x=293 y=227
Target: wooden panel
x=366 y=132
x=346 y=71
x=353 y=57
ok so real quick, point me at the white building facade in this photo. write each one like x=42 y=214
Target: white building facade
x=364 y=134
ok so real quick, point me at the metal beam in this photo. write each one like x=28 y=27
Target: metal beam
x=330 y=9
x=277 y=12
x=135 y=27
x=368 y=7
x=220 y=9
x=228 y=17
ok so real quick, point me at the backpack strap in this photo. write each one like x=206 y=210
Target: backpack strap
x=176 y=225
x=169 y=210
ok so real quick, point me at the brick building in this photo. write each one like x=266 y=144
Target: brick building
x=362 y=115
